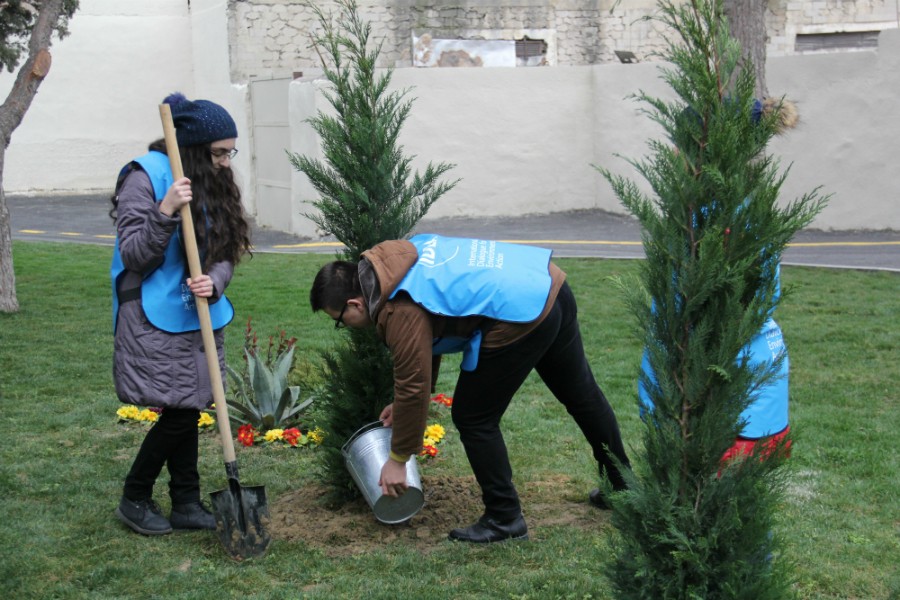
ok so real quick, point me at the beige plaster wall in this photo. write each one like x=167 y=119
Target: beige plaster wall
x=849 y=135
x=96 y=108
x=524 y=140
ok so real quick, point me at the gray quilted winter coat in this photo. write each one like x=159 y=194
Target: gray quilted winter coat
x=152 y=367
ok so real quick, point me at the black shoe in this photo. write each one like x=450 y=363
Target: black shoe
x=192 y=515
x=597 y=500
x=143 y=516
x=487 y=531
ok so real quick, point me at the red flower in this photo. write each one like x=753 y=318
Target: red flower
x=428 y=451
x=246 y=434
x=443 y=399
x=291 y=436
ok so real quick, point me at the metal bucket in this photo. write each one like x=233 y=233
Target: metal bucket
x=364 y=454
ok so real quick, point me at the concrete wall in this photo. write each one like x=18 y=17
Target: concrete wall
x=849 y=134
x=524 y=140
x=211 y=77
x=98 y=107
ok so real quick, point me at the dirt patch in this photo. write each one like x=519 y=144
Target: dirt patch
x=449 y=502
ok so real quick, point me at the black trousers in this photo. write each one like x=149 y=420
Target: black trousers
x=172 y=441
x=481 y=397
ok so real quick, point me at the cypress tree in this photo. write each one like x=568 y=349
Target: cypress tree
x=713 y=233
x=368 y=193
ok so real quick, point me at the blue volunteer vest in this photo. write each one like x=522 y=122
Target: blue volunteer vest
x=458 y=277
x=165 y=297
x=768 y=413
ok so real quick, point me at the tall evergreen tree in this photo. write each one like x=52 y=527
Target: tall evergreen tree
x=368 y=194
x=713 y=233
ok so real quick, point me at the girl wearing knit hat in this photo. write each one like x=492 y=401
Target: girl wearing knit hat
x=158 y=358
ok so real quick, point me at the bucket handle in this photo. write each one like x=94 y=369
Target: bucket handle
x=359 y=432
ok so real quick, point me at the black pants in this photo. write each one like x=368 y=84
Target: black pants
x=556 y=351
x=172 y=441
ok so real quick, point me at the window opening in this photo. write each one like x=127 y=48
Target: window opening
x=531 y=53
x=836 y=41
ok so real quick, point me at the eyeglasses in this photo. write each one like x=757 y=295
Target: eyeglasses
x=339 y=322
x=222 y=153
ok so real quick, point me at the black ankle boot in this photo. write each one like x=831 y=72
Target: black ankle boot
x=192 y=515
x=143 y=516
x=488 y=530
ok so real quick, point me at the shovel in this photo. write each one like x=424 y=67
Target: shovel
x=240 y=512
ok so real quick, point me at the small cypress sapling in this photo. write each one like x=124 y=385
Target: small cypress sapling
x=368 y=194
x=689 y=526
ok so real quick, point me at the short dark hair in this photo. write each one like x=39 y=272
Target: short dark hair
x=335 y=283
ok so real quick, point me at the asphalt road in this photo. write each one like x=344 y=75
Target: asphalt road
x=85 y=219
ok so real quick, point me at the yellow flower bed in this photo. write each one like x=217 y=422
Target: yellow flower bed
x=149 y=415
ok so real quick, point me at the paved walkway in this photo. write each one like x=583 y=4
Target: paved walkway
x=85 y=219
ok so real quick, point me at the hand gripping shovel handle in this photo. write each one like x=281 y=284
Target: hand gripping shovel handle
x=193 y=256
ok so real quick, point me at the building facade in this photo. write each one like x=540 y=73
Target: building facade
x=272 y=38
x=524 y=140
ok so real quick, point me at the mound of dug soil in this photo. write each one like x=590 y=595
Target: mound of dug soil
x=449 y=502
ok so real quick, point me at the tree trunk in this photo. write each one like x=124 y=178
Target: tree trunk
x=8 y=301
x=747 y=21
x=13 y=110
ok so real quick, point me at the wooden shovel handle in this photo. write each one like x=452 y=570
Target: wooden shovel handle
x=193 y=256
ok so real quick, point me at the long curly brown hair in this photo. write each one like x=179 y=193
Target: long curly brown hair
x=221 y=227
x=219 y=222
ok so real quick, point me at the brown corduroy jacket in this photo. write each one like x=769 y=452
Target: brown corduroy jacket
x=409 y=330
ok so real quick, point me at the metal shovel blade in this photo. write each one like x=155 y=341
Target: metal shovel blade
x=241 y=518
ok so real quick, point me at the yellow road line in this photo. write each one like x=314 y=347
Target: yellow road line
x=574 y=242
x=517 y=241
x=610 y=243
x=311 y=245
x=555 y=242
x=837 y=244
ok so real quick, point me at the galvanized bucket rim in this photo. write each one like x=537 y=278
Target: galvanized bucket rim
x=359 y=433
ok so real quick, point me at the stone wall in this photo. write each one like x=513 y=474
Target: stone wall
x=786 y=18
x=272 y=38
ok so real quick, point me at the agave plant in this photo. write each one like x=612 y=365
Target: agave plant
x=262 y=395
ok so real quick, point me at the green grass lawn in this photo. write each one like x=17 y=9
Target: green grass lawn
x=63 y=455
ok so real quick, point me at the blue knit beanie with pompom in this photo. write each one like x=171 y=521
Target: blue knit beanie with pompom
x=199 y=121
